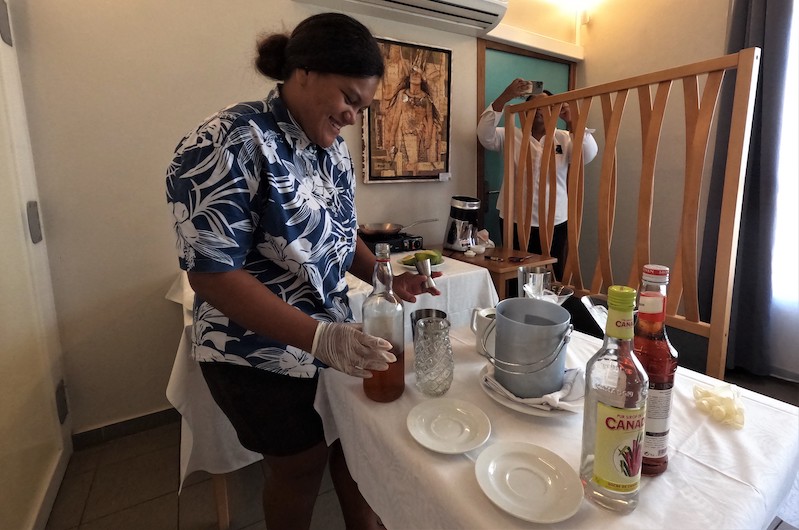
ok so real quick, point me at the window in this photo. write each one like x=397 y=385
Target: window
x=785 y=278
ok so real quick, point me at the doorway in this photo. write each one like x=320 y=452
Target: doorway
x=498 y=65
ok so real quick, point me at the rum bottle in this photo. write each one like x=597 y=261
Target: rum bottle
x=384 y=316
x=659 y=359
x=615 y=411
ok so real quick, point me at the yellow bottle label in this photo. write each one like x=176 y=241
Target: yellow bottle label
x=619 y=448
x=620 y=324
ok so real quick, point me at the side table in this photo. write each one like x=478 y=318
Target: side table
x=503 y=270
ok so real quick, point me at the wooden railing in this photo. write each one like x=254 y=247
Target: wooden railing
x=701 y=85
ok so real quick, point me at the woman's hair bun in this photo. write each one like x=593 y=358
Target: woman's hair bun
x=271 y=57
x=328 y=43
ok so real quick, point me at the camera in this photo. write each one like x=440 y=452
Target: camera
x=534 y=88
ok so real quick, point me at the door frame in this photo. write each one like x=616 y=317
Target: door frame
x=482 y=46
x=37 y=316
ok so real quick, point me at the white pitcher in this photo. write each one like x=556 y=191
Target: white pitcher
x=481 y=320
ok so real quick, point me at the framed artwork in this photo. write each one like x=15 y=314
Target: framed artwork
x=406 y=128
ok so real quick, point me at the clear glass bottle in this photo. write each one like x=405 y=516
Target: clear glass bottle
x=615 y=410
x=384 y=316
x=659 y=359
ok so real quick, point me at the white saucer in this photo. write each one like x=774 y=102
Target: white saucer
x=413 y=267
x=529 y=482
x=519 y=407
x=448 y=426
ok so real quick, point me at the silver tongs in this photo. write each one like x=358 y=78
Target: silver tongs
x=597 y=308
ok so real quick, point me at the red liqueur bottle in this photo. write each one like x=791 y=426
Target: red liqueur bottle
x=659 y=359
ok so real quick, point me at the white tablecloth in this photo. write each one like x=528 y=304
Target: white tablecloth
x=718 y=477
x=208 y=440
x=463 y=287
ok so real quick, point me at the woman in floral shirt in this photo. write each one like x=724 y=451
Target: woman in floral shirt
x=263 y=199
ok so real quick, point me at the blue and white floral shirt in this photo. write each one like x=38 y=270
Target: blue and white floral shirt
x=249 y=190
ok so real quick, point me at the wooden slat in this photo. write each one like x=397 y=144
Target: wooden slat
x=576 y=190
x=221 y=496
x=524 y=173
x=482 y=190
x=697 y=328
x=675 y=284
x=547 y=193
x=696 y=153
x=612 y=110
x=651 y=127
x=732 y=197
x=509 y=178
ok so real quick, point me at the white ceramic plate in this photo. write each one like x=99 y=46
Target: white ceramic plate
x=413 y=267
x=448 y=426
x=519 y=407
x=529 y=482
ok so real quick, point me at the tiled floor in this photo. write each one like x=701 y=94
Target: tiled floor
x=131 y=484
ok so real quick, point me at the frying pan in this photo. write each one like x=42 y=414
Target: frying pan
x=388 y=229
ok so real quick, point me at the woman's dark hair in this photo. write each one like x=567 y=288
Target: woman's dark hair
x=329 y=43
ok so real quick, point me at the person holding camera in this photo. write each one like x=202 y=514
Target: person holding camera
x=492 y=138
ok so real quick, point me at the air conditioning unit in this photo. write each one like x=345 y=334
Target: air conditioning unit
x=467 y=17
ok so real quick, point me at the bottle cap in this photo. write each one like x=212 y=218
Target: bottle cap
x=621 y=297
x=656 y=273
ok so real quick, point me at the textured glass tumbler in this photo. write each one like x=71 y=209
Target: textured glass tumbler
x=434 y=363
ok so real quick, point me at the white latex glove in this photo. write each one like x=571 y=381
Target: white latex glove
x=348 y=349
x=722 y=403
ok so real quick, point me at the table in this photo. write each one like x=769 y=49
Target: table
x=463 y=287
x=501 y=271
x=208 y=440
x=718 y=477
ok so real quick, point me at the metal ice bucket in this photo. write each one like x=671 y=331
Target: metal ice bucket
x=530 y=353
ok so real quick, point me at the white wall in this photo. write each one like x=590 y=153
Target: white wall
x=625 y=38
x=111 y=87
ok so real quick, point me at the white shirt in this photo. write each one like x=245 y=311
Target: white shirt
x=493 y=138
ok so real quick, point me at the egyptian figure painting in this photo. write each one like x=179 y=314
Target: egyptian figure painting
x=406 y=129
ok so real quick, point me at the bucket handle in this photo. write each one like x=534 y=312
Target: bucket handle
x=524 y=368
x=484 y=339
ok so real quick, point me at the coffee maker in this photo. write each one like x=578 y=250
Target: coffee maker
x=463 y=212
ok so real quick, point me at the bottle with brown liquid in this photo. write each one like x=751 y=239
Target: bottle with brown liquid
x=384 y=316
x=659 y=359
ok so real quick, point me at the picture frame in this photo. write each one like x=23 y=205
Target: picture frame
x=406 y=129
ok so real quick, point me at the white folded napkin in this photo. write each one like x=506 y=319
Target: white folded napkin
x=568 y=398
x=722 y=403
x=483 y=239
x=547 y=296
